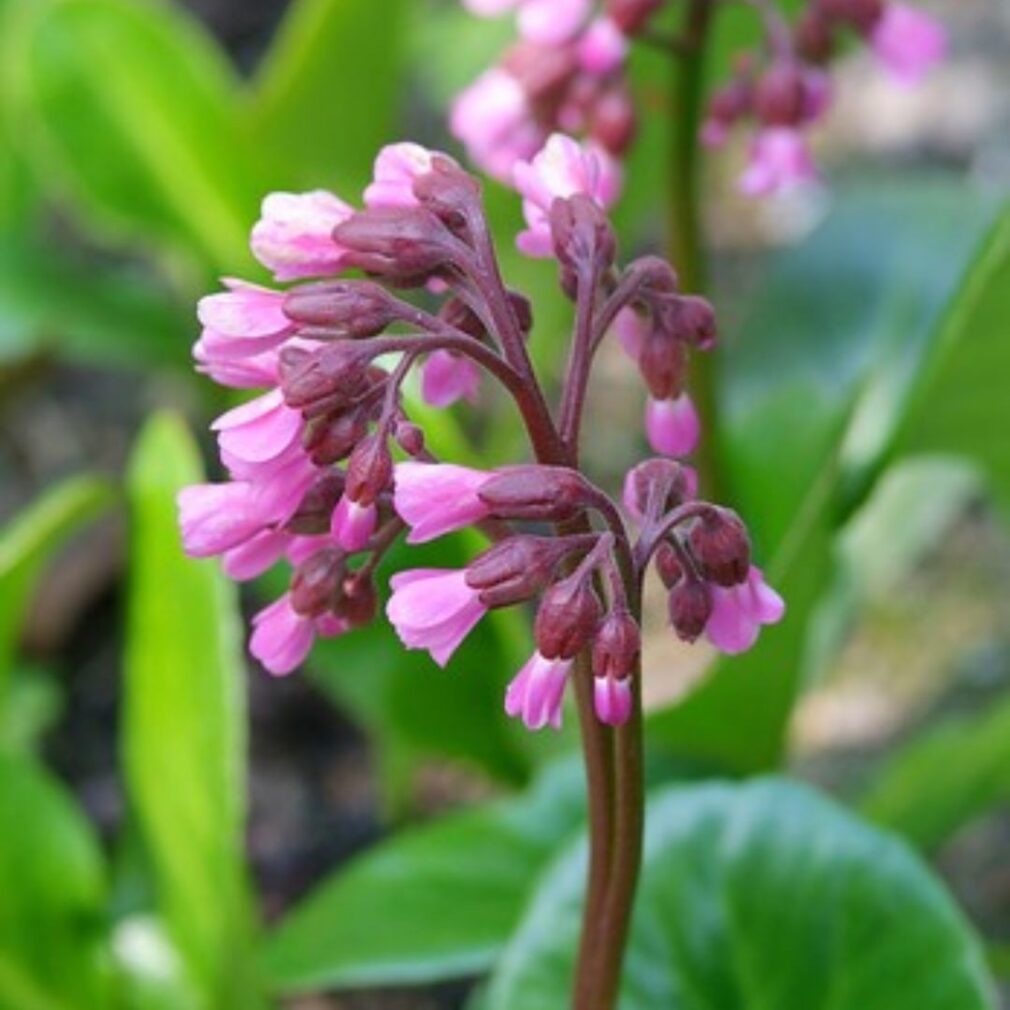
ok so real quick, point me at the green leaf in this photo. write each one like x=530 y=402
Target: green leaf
x=184 y=723
x=957 y=406
x=53 y=883
x=30 y=541
x=761 y=895
x=133 y=110
x=433 y=902
x=326 y=97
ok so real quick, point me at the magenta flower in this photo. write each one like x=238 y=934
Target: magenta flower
x=613 y=700
x=550 y=22
x=256 y=555
x=353 y=524
x=396 y=168
x=562 y=169
x=282 y=637
x=672 y=426
x=780 y=160
x=603 y=48
x=739 y=612
x=908 y=42
x=437 y=498
x=294 y=236
x=492 y=118
x=433 y=609
x=536 y=693
x=260 y=430
x=243 y=321
x=448 y=378
x=236 y=373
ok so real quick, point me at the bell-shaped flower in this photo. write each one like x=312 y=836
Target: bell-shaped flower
x=672 y=426
x=437 y=498
x=739 y=612
x=536 y=693
x=294 y=235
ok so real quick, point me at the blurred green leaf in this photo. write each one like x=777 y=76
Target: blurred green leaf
x=184 y=745
x=30 y=541
x=53 y=886
x=326 y=96
x=761 y=895
x=33 y=704
x=133 y=109
x=50 y=301
x=431 y=903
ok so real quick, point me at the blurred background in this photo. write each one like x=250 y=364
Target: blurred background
x=137 y=140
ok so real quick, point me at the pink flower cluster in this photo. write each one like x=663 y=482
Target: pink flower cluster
x=565 y=73
x=789 y=91
x=326 y=470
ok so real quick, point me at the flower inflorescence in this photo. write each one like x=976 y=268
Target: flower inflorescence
x=327 y=470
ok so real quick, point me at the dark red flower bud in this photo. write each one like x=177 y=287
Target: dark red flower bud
x=632 y=16
x=690 y=607
x=583 y=236
x=663 y=482
x=690 y=318
x=721 y=546
x=369 y=470
x=613 y=122
x=409 y=437
x=312 y=517
x=359 y=602
x=863 y=15
x=330 y=439
x=545 y=493
x=406 y=244
x=345 y=308
x=317 y=583
x=780 y=97
x=814 y=38
x=663 y=364
x=731 y=102
x=668 y=564
x=617 y=645
x=449 y=192
x=515 y=569
x=568 y=617
x=655 y=276
x=322 y=380
x=522 y=309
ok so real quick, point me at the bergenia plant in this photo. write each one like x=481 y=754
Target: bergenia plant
x=328 y=470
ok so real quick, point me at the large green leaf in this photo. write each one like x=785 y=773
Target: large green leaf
x=133 y=109
x=433 y=902
x=52 y=895
x=763 y=895
x=184 y=723
x=30 y=541
x=326 y=97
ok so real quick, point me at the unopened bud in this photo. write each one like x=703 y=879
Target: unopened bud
x=814 y=38
x=359 y=602
x=668 y=564
x=545 y=73
x=544 y=493
x=731 y=102
x=369 y=470
x=322 y=380
x=655 y=275
x=583 y=236
x=663 y=364
x=690 y=606
x=342 y=308
x=402 y=243
x=632 y=16
x=863 y=15
x=691 y=318
x=448 y=191
x=330 y=439
x=312 y=516
x=617 y=645
x=659 y=484
x=515 y=569
x=409 y=437
x=780 y=95
x=317 y=583
x=568 y=617
x=720 y=544
x=614 y=123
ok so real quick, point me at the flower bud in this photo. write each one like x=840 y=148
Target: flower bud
x=330 y=439
x=690 y=318
x=359 y=602
x=369 y=470
x=582 y=234
x=312 y=517
x=546 y=493
x=655 y=276
x=721 y=546
x=448 y=191
x=345 y=308
x=662 y=483
x=409 y=437
x=568 y=617
x=668 y=564
x=780 y=95
x=663 y=364
x=632 y=16
x=317 y=583
x=863 y=15
x=545 y=73
x=613 y=123
x=617 y=646
x=690 y=607
x=515 y=569
x=813 y=36
x=322 y=380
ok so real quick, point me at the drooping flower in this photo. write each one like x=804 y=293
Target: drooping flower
x=215 y=518
x=282 y=637
x=437 y=498
x=447 y=378
x=353 y=524
x=672 y=426
x=739 y=612
x=259 y=430
x=433 y=609
x=908 y=42
x=256 y=555
x=563 y=168
x=536 y=693
x=294 y=236
x=243 y=321
x=396 y=168
x=612 y=700
x=780 y=160
x=603 y=47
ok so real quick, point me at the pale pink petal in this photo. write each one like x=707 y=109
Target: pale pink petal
x=396 y=168
x=255 y=556
x=779 y=161
x=672 y=426
x=259 y=430
x=603 y=47
x=552 y=22
x=908 y=42
x=536 y=693
x=353 y=524
x=448 y=378
x=738 y=613
x=631 y=328
x=214 y=518
x=294 y=236
x=437 y=498
x=613 y=700
x=281 y=638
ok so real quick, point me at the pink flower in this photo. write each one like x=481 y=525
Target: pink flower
x=437 y=498
x=396 y=168
x=244 y=321
x=276 y=486
x=550 y=22
x=353 y=524
x=714 y=132
x=281 y=638
x=433 y=609
x=562 y=169
x=215 y=518
x=256 y=555
x=260 y=430
x=493 y=120
x=449 y=377
x=294 y=236
x=908 y=42
x=739 y=612
x=537 y=692
x=236 y=373
x=612 y=699
x=672 y=426
x=603 y=48
x=779 y=160
x=631 y=328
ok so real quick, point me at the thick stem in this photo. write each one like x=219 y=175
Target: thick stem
x=686 y=242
